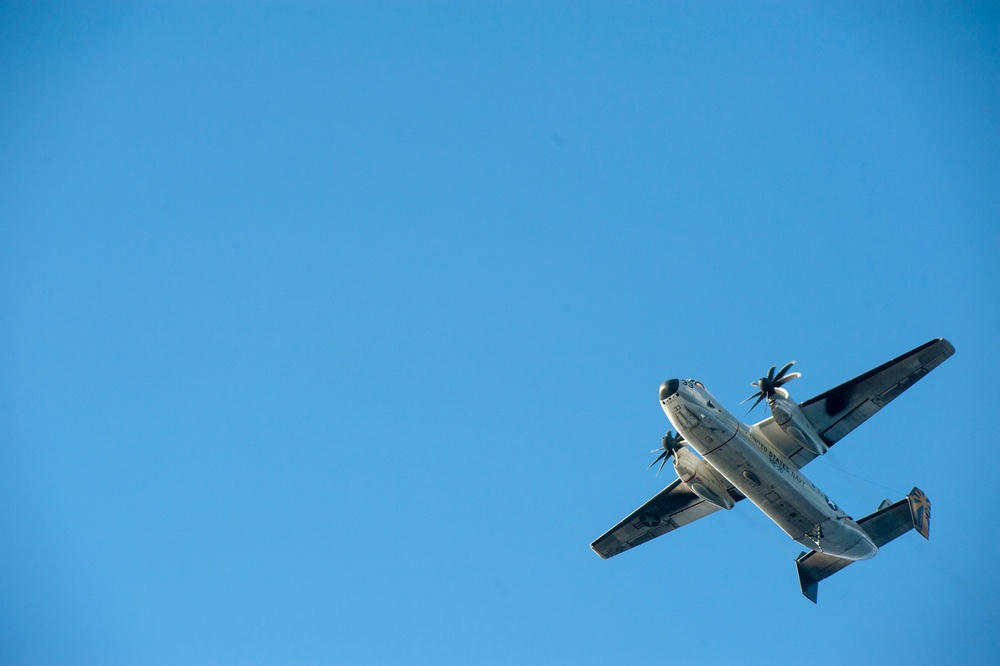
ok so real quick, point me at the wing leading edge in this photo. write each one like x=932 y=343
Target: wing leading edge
x=843 y=408
x=673 y=507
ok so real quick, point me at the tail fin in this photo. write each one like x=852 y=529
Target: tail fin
x=920 y=511
x=813 y=566
x=886 y=524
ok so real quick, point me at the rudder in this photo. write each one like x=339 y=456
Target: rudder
x=920 y=512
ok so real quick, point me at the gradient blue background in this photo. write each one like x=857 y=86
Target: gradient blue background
x=332 y=333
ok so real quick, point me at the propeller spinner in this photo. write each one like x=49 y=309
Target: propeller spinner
x=669 y=445
x=768 y=386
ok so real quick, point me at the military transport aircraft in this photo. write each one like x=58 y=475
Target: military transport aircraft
x=761 y=462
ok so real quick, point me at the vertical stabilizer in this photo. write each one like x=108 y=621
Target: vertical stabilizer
x=920 y=512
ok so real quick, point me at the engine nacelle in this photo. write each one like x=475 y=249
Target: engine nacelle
x=703 y=479
x=789 y=417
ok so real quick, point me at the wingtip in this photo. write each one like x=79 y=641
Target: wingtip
x=950 y=347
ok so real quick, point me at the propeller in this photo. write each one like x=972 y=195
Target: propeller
x=669 y=445
x=768 y=386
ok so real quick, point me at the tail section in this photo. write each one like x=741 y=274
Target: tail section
x=886 y=524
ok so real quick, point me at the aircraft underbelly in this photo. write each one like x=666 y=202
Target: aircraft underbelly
x=755 y=476
x=774 y=485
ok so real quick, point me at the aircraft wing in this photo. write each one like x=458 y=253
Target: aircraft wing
x=673 y=507
x=843 y=408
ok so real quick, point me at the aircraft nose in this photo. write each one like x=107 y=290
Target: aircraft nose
x=668 y=388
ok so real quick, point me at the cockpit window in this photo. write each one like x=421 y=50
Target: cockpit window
x=699 y=384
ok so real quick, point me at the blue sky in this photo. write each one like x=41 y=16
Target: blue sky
x=332 y=332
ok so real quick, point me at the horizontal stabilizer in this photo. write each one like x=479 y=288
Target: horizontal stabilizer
x=886 y=524
x=890 y=522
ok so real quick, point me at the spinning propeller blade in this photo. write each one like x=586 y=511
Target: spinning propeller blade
x=668 y=446
x=767 y=386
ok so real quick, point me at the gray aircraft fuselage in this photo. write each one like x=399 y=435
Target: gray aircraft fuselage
x=742 y=455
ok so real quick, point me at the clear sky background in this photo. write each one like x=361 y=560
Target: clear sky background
x=332 y=333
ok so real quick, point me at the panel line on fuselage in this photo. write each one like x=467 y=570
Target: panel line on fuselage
x=735 y=432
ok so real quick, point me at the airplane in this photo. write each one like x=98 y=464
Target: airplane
x=720 y=461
